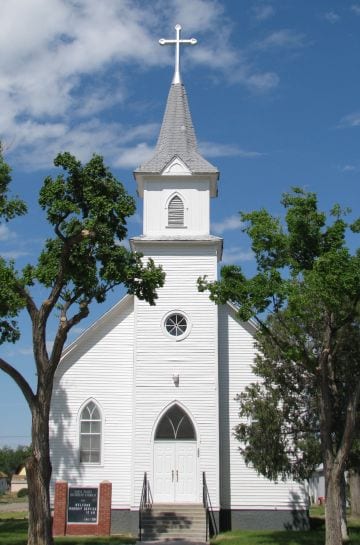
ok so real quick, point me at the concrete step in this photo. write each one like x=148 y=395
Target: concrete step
x=174 y=521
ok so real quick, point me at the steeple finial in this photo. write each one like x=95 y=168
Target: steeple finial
x=177 y=42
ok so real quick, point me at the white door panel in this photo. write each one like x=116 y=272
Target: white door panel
x=175 y=471
x=164 y=481
x=186 y=480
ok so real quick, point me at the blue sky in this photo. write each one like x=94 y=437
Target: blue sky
x=274 y=93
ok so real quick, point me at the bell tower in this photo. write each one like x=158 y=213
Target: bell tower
x=177 y=182
x=176 y=347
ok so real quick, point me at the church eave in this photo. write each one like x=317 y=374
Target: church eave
x=142 y=177
x=250 y=325
x=210 y=240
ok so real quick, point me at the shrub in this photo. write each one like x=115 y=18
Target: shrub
x=22 y=493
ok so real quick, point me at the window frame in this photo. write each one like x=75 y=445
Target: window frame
x=168 y=315
x=177 y=429
x=170 y=225
x=83 y=434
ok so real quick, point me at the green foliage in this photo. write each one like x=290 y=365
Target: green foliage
x=9 y=207
x=87 y=208
x=22 y=493
x=305 y=298
x=12 y=458
x=10 y=301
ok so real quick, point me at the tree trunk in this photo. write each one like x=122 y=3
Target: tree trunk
x=344 y=527
x=354 y=482
x=333 y=508
x=38 y=471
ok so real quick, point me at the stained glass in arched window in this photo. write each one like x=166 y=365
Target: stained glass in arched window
x=175 y=424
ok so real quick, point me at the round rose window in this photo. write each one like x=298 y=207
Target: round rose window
x=176 y=325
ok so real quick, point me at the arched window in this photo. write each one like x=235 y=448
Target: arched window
x=90 y=434
x=175 y=424
x=176 y=212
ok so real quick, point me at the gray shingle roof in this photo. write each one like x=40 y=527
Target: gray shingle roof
x=177 y=138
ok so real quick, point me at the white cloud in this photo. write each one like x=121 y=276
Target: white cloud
x=189 y=13
x=213 y=149
x=263 y=12
x=64 y=63
x=235 y=255
x=5 y=233
x=332 y=17
x=134 y=156
x=355 y=8
x=349 y=168
x=14 y=254
x=228 y=224
x=285 y=38
x=82 y=140
x=263 y=82
x=350 y=120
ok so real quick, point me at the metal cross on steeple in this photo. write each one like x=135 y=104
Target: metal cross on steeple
x=177 y=42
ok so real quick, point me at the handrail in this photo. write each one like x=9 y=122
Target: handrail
x=211 y=526
x=146 y=502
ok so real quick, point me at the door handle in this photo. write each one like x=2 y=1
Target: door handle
x=177 y=476
x=172 y=475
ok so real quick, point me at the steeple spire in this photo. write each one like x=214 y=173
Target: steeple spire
x=177 y=42
x=177 y=135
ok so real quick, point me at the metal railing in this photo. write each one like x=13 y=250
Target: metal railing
x=211 y=526
x=145 y=502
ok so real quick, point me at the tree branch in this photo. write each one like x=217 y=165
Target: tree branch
x=49 y=303
x=20 y=381
x=64 y=328
x=350 y=425
x=30 y=304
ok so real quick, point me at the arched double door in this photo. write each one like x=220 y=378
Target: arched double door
x=175 y=458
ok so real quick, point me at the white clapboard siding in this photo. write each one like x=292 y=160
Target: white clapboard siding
x=194 y=359
x=99 y=366
x=241 y=486
x=196 y=200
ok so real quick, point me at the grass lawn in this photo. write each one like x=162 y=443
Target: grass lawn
x=11 y=497
x=316 y=536
x=313 y=537
x=9 y=515
x=13 y=531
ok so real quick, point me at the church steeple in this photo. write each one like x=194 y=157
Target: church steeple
x=177 y=183
x=177 y=138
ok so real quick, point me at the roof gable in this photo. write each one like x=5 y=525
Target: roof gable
x=120 y=306
x=176 y=167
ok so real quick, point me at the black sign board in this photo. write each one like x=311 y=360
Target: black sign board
x=83 y=505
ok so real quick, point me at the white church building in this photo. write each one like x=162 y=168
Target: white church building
x=147 y=393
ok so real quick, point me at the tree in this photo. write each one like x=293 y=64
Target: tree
x=86 y=208
x=354 y=475
x=305 y=299
x=280 y=435
x=12 y=458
